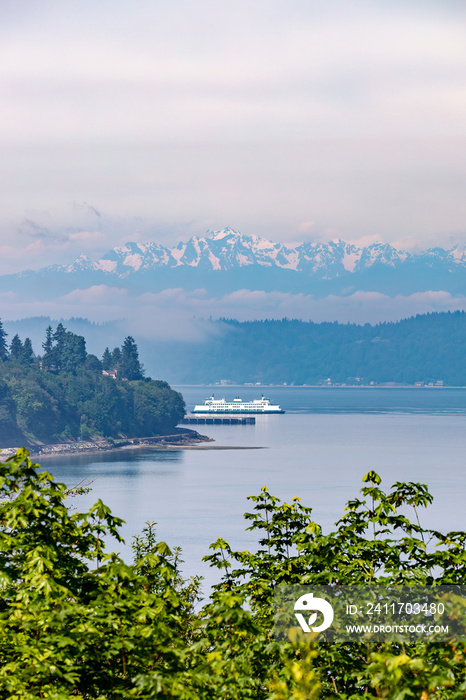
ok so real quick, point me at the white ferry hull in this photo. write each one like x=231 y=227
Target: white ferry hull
x=202 y=409
x=220 y=406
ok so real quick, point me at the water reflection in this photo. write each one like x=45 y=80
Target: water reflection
x=197 y=496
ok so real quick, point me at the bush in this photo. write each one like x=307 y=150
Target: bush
x=76 y=621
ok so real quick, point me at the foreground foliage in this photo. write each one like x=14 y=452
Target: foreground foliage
x=76 y=622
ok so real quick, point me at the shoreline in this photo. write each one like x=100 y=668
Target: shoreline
x=155 y=447
x=183 y=438
x=313 y=386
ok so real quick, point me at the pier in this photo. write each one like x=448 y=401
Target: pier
x=219 y=420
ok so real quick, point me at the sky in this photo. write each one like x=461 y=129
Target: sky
x=296 y=120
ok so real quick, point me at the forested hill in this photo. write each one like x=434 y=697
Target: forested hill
x=425 y=349
x=429 y=348
x=68 y=394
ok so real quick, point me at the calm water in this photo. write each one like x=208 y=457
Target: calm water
x=319 y=450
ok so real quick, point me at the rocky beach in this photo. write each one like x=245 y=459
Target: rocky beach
x=181 y=437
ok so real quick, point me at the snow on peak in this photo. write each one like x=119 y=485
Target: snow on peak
x=264 y=244
x=227 y=249
x=218 y=235
x=350 y=259
x=214 y=261
x=105 y=265
x=81 y=263
x=458 y=253
x=134 y=260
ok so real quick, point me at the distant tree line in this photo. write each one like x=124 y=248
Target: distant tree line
x=427 y=348
x=66 y=395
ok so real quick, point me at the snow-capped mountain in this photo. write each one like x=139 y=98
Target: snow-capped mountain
x=225 y=261
x=218 y=250
x=228 y=249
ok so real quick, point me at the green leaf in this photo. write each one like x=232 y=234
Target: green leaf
x=373 y=477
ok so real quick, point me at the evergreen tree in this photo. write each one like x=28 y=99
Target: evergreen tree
x=3 y=346
x=93 y=363
x=50 y=405
x=16 y=348
x=48 y=342
x=9 y=431
x=48 y=359
x=60 y=339
x=107 y=359
x=116 y=359
x=28 y=352
x=130 y=367
x=73 y=351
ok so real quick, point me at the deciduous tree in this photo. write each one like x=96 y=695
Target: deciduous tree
x=78 y=622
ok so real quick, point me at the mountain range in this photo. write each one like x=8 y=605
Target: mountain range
x=225 y=261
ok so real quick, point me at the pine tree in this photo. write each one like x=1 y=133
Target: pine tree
x=107 y=359
x=28 y=352
x=48 y=342
x=16 y=348
x=60 y=339
x=3 y=346
x=73 y=352
x=48 y=359
x=116 y=359
x=130 y=367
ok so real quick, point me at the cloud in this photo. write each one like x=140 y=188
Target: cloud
x=88 y=207
x=14 y=257
x=264 y=114
x=33 y=229
x=176 y=313
x=85 y=236
x=359 y=307
x=98 y=295
x=306 y=226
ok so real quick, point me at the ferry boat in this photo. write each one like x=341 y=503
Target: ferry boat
x=261 y=405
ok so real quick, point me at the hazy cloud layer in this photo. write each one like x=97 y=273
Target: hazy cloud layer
x=175 y=313
x=311 y=118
